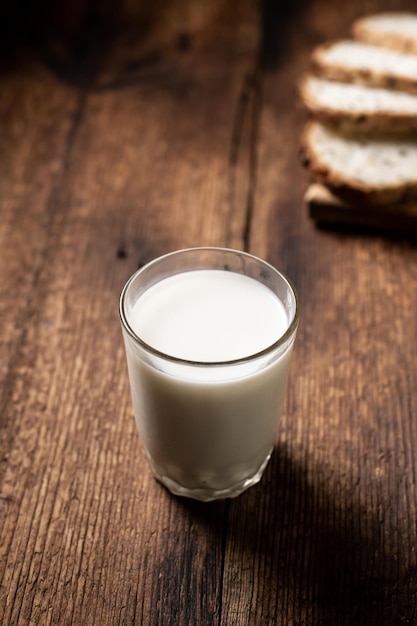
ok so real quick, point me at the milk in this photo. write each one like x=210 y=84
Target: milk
x=209 y=316
x=207 y=377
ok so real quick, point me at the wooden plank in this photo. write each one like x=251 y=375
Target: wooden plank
x=87 y=535
x=329 y=537
x=36 y=119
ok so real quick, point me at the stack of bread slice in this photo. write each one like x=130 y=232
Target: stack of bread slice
x=360 y=142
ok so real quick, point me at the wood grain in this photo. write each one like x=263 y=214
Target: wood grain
x=130 y=138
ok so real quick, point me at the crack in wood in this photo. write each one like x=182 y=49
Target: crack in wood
x=248 y=106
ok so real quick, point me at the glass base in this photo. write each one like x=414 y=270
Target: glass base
x=208 y=494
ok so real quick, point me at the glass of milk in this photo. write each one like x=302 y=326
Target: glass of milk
x=208 y=334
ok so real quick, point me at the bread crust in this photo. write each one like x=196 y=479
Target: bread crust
x=358 y=75
x=365 y=29
x=351 y=121
x=348 y=188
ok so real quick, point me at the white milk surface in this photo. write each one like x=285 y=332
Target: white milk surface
x=209 y=315
x=208 y=429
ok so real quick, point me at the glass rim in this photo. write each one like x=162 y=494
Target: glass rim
x=292 y=327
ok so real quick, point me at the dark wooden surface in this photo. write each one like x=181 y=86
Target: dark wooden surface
x=125 y=132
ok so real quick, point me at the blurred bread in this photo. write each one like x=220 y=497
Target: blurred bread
x=362 y=63
x=397 y=31
x=353 y=107
x=372 y=170
x=325 y=208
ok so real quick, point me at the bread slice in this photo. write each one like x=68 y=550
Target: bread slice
x=397 y=31
x=361 y=63
x=326 y=209
x=359 y=108
x=376 y=170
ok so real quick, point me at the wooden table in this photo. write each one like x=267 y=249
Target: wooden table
x=127 y=133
